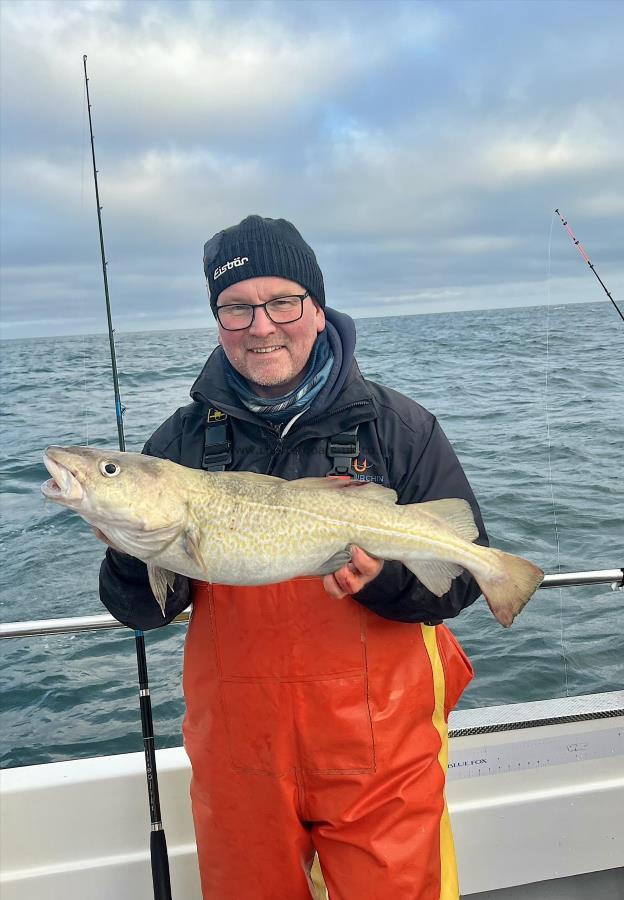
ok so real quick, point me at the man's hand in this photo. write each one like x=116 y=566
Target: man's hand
x=354 y=576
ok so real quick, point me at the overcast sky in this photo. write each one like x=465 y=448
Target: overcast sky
x=420 y=148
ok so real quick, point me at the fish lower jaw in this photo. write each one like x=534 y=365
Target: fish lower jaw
x=63 y=487
x=68 y=495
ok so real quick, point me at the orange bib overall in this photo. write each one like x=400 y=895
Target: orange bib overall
x=314 y=724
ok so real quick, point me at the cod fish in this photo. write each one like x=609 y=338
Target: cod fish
x=242 y=528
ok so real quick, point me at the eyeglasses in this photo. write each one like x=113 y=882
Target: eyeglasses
x=281 y=311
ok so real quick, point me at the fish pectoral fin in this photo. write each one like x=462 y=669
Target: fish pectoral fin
x=335 y=562
x=436 y=576
x=455 y=513
x=191 y=545
x=160 y=580
x=147 y=538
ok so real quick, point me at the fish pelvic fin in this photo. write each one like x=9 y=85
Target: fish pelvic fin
x=160 y=580
x=456 y=514
x=435 y=574
x=509 y=592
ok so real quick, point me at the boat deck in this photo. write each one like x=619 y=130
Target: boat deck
x=536 y=793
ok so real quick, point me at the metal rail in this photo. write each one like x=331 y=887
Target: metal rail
x=104 y=621
x=615 y=577
x=72 y=625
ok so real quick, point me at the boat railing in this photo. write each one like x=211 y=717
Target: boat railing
x=104 y=621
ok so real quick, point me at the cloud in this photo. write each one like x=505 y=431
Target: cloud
x=605 y=203
x=585 y=144
x=197 y=72
x=420 y=148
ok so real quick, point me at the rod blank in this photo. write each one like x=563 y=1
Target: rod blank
x=160 y=860
x=581 y=250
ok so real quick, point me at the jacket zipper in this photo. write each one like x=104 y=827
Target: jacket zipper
x=277 y=449
x=279 y=446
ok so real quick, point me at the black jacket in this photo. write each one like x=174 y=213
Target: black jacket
x=401 y=446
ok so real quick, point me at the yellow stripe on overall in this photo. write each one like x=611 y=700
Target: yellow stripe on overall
x=449 y=886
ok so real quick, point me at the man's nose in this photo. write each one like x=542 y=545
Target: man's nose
x=261 y=324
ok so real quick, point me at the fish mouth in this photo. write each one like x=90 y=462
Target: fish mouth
x=63 y=487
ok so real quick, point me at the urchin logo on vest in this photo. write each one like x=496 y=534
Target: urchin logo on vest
x=360 y=470
x=233 y=263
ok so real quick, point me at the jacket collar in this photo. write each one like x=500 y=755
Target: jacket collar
x=353 y=404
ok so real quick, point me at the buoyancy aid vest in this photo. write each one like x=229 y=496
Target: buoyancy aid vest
x=342 y=449
x=314 y=724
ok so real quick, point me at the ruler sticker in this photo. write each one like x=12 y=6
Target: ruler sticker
x=519 y=756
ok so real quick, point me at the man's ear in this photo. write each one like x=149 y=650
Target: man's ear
x=320 y=318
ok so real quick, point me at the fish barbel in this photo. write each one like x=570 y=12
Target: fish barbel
x=242 y=528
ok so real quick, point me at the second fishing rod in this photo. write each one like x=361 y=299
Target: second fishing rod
x=158 y=843
x=581 y=250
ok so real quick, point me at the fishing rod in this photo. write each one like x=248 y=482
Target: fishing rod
x=580 y=249
x=158 y=842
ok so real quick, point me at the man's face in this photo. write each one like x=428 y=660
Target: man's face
x=271 y=357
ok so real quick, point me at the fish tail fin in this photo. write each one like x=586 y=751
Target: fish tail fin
x=510 y=590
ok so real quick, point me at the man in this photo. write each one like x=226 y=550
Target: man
x=316 y=708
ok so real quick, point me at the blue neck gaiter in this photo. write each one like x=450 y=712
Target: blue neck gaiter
x=279 y=409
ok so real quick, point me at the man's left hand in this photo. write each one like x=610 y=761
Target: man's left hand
x=354 y=576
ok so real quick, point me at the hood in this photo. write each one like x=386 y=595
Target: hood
x=211 y=385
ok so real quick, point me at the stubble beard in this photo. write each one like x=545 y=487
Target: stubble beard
x=283 y=375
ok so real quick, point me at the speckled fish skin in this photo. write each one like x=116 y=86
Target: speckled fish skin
x=249 y=529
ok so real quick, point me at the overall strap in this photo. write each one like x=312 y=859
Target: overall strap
x=217 y=441
x=343 y=449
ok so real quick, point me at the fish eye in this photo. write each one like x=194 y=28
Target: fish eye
x=109 y=469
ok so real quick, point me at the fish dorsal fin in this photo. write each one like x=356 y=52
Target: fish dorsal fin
x=457 y=514
x=367 y=490
x=249 y=477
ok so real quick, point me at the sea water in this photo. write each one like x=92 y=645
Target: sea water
x=532 y=400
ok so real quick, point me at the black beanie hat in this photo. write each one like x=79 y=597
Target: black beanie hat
x=258 y=246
